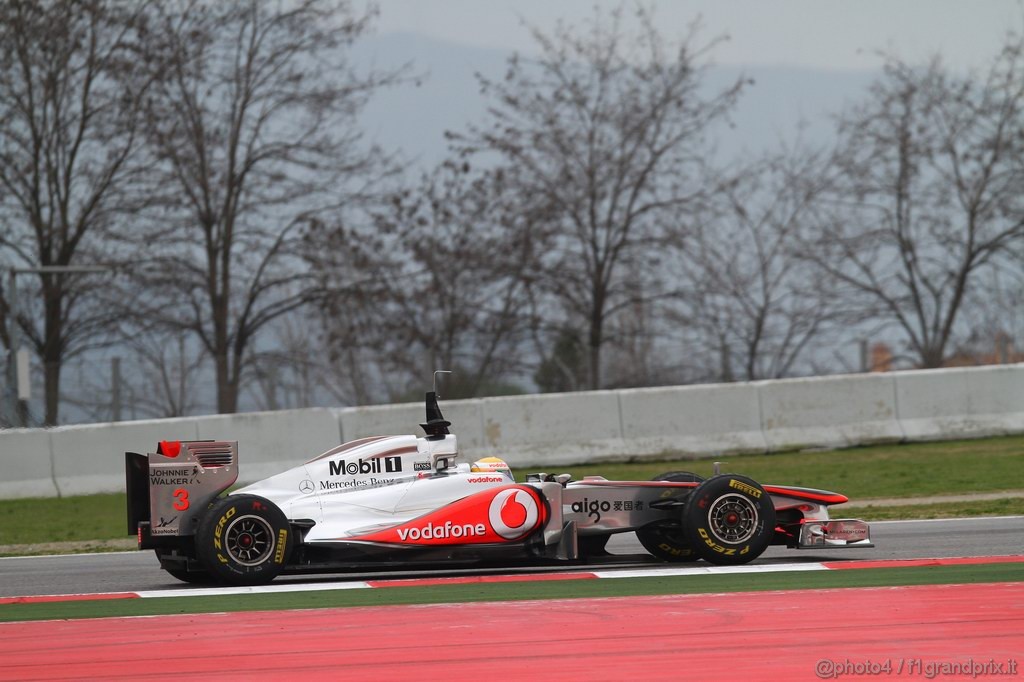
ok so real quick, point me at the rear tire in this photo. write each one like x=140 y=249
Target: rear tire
x=729 y=519
x=668 y=541
x=244 y=540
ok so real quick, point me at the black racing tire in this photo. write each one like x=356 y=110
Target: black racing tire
x=729 y=519
x=668 y=541
x=679 y=477
x=244 y=540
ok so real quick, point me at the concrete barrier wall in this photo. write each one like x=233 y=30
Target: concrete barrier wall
x=270 y=442
x=961 y=403
x=933 y=403
x=829 y=411
x=397 y=420
x=26 y=465
x=89 y=458
x=553 y=428
x=996 y=399
x=695 y=420
x=557 y=429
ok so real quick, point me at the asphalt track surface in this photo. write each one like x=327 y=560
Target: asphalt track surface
x=135 y=571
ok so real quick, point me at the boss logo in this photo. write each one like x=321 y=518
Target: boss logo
x=377 y=465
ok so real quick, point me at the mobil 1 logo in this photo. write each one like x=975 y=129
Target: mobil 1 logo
x=377 y=465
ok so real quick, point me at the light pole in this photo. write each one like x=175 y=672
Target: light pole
x=17 y=407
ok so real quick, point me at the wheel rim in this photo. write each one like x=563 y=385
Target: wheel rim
x=733 y=518
x=249 y=540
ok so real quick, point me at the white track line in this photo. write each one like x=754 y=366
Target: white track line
x=257 y=589
x=711 y=570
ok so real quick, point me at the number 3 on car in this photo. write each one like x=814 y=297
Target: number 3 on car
x=181 y=499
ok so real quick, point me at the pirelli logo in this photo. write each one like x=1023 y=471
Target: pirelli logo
x=744 y=487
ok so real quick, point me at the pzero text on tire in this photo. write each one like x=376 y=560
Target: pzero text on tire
x=729 y=519
x=244 y=540
x=668 y=541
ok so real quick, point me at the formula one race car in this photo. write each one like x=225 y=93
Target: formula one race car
x=403 y=499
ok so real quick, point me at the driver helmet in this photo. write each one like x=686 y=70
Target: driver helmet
x=489 y=465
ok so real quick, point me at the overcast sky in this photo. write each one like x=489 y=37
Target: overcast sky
x=825 y=34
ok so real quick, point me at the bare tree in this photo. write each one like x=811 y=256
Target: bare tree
x=994 y=312
x=563 y=368
x=290 y=371
x=169 y=374
x=448 y=277
x=747 y=294
x=608 y=128
x=633 y=357
x=163 y=377
x=926 y=194
x=252 y=127
x=69 y=120
x=354 y=367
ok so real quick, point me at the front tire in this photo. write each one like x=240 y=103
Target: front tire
x=244 y=540
x=729 y=519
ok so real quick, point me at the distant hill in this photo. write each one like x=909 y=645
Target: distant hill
x=414 y=119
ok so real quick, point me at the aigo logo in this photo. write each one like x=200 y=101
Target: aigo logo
x=513 y=513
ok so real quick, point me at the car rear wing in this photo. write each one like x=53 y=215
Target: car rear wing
x=169 y=489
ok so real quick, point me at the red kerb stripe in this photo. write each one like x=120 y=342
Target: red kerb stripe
x=67 y=597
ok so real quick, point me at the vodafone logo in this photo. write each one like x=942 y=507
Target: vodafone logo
x=499 y=515
x=513 y=513
x=486 y=479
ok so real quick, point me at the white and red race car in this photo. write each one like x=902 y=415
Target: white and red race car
x=406 y=500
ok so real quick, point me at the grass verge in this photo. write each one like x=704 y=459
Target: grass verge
x=63 y=519
x=543 y=590
x=907 y=470
x=945 y=510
